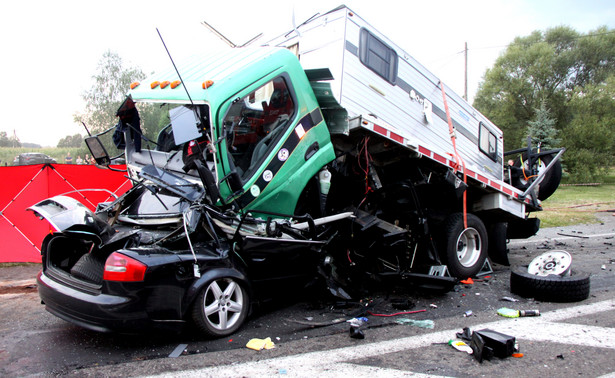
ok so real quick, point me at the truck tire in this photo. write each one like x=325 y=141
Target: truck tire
x=498 y=251
x=549 y=183
x=465 y=249
x=551 y=288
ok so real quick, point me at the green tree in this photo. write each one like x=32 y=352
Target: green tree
x=4 y=139
x=545 y=69
x=108 y=91
x=71 y=141
x=111 y=83
x=542 y=129
x=591 y=133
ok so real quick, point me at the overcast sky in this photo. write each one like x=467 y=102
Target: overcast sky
x=50 y=49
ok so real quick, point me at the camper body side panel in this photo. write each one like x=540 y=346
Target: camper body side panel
x=320 y=44
x=402 y=105
x=333 y=41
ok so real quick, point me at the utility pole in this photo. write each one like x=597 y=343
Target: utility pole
x=465 y=83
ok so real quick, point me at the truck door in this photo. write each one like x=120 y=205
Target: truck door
x=255 y=123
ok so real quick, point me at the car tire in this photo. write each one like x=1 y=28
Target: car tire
x=221 y=307
x=465 y=249
x=551 y=288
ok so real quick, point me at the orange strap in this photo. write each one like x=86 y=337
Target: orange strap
x=456 y=156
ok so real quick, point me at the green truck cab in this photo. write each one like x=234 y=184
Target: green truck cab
x=261 y=118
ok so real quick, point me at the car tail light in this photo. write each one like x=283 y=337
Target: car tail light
x=119 y=267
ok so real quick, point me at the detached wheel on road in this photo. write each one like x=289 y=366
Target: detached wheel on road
x=221 y=307
x=465 y=248
x=551 y=288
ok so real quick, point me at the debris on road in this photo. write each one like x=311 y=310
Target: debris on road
x=312 y=324
x=487 y=343
x=357 y=322
x=356 y=333
x=397 y=313
x=355 y=325
x=178 y=351
x=510 y=299
x=508 y=312
x=461 y=346
x=402 y=304
x=427 y=323
x=511 y=313
x=260 y=344
x=573 y=236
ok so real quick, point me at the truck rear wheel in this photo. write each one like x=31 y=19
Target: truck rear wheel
x=465 y=249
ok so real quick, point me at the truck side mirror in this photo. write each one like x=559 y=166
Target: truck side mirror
x=99 y=153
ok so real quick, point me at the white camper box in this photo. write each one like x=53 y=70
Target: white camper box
x=387 y=91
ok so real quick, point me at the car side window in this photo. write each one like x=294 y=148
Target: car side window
x=255 y=123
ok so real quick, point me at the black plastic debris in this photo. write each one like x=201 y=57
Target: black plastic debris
x=355 y=324
x=356 y=333
x=479 y=349
x=465 y=334
x=402 y=304
x=487 y=343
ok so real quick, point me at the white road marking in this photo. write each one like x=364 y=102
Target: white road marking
x=338 y=362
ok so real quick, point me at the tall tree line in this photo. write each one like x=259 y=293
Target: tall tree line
x=564 y=80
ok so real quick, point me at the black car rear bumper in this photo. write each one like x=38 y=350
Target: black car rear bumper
x=98 y=312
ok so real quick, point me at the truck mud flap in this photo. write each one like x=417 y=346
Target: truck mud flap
x=522 y=228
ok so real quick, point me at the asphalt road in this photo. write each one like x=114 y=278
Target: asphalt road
x=568 y=339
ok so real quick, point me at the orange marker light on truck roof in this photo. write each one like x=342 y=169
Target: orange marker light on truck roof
x=134 y=84
x=164 y=84
x=175 y=84
x=154 y=84
x=207 y=84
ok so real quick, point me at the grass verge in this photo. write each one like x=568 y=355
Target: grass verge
x=577 y=205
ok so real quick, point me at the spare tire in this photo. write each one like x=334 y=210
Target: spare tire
x=550 y=181
x=551 y=288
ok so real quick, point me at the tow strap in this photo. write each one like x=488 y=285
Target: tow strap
x=458 y=160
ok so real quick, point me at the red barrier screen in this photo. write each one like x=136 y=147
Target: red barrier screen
x=23 y=186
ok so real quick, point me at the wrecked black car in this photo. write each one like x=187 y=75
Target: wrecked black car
x=274 y=171
x=158 y=257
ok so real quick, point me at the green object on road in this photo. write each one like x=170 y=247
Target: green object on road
x=417 y=323
x=508 y=312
